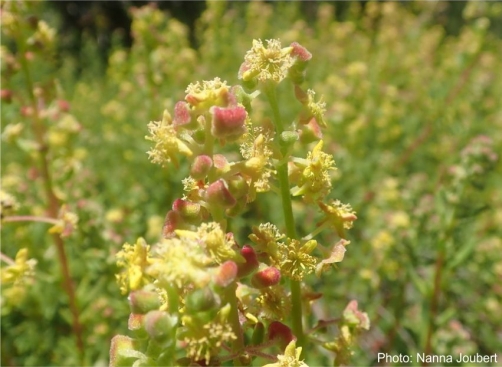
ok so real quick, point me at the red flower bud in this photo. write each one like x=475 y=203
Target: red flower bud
x=186 y=209
x=300 y=52
x=277 y=330
x=218 y=194
x=172 y=222
x=251 y=261
x=228 y=123
x=266 y=278
x=201 y=166
x=226 y=273
x=181 y=114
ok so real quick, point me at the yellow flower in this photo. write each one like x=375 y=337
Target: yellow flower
x=135 y=259
x=218 y=245
x=295 y=261
x=315 y=180
x=21 y=268
x=338 y=216
x=273 y=303
x=290 y=358
x=266 y=237
x=203 y=96
x=205 y=341
x=267 y=63
x=180 y=262
x=317 y=109
x=258 y=165
x=167 y=144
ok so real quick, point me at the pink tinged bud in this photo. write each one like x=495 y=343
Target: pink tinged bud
x=251 y=263
x=228 y=123
x=158 y=325
x=218 y=194
x=278 y=331
x=201 y=166
x=142 y=302
x=300 y=52
x=226 y=273
x=221 y=163
x=181 y=114
x=120 y=349
x=135 y=321
x=187 y=209
x=310 y=132
x=172 y=222
x=266 y=278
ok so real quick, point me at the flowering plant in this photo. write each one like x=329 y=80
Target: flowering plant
x=201 y=297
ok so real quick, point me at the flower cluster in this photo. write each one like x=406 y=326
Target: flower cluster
x=213 y=290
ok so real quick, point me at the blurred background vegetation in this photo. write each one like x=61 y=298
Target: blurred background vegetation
x=408 y=86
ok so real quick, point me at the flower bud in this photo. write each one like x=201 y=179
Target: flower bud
x=226 y=273
x=143 y=301
x=158 y=325
x=300 y=52
x=186 y=209
x=200 y=300
x=297 y=71
x=221 y=164
x=251 y=263
x=181 y=114
x=218 y=194
x=135 y=321
x=172 y=222
x=228 y=123
x=277 y=330
x=266 y=278
x=201 y=166
x=310 y=132
x=120 y=347
x=289 y=137
x=238 y=186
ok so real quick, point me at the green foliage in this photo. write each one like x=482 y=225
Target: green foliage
x=406 y=103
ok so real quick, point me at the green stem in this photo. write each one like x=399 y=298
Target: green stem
x=238 y=344
x=282 y=173
x=173 y=305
